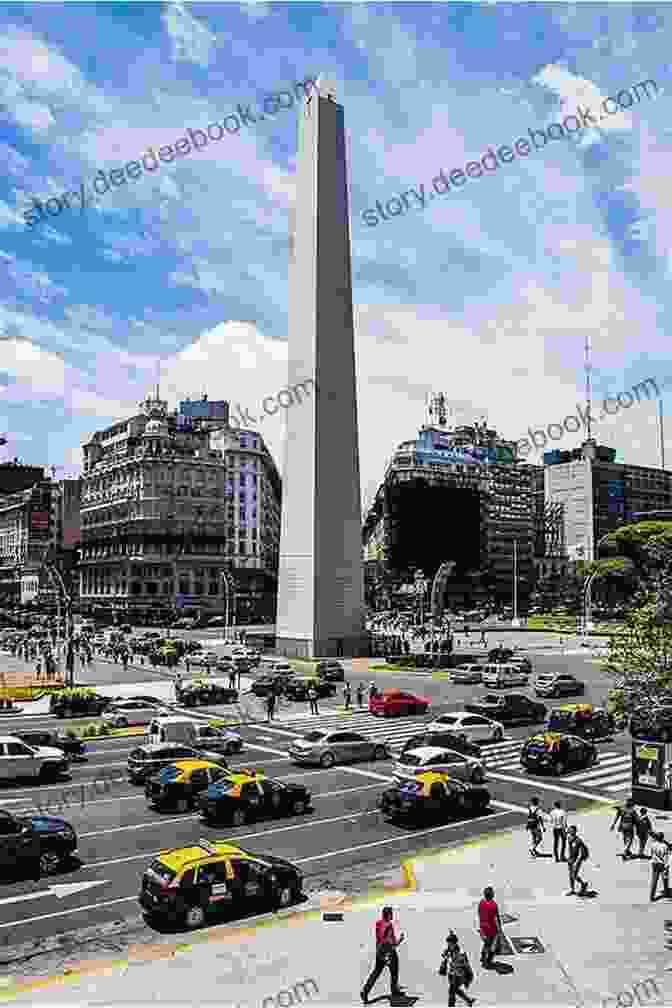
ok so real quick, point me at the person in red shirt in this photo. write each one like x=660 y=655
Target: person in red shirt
x=386 y=955
x=489 y=923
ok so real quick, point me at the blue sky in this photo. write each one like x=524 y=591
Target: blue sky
x=487 y=294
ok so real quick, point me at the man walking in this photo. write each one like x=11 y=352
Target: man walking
x=232 y=678
x=578 y=854
x=178 y=686
x=386 y=955
x=644 y=828
x=535 y=826
x=660 y=865
x=347 y=696
x=626 y=819
x=489 y=923
x=558 y=818
x=312 y=696
x=360 y=695
x=270 y=705
x=460 y=973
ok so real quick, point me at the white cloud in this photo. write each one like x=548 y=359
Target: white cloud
x=192 y=42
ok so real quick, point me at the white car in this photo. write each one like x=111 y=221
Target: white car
x=467 y=674
x=502 y=675
x=133 y=712
x=424 y=758
x=473 y=727
x=204 y=658
x=20 y=760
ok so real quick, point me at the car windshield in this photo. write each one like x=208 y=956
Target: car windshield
x=491 y=698
x=409 y=758
x=169 y=774
x=162 y=870
x=314 y=736
x=448 y=719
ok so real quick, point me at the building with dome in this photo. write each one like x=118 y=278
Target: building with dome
x=177 y=511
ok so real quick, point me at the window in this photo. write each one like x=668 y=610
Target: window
x=199 y=779
x=17 y=749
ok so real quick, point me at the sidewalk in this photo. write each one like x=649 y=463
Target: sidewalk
x=563 y=950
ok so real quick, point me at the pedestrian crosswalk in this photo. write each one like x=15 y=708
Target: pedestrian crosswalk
x=612 y=772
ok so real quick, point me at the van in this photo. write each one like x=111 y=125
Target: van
x=502 y=675
x=164 y=730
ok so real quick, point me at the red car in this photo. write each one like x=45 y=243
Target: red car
x=393 y=701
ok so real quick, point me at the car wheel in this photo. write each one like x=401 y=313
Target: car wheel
x=49 y=862
x=328 y=760
x=182 y=805
x=298 y=806
x=477 y=776
x=239 y=817
x=497 y=735
x=121 y=722
x=195 y=917
x=379 y=752
x=560 y=769
x=284 y=897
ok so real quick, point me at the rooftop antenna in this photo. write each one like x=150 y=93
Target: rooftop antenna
x=662 y=439
x=587 y=367
x=158 y=377
x=437 y=409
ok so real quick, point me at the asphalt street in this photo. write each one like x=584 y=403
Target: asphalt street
x=119 y=835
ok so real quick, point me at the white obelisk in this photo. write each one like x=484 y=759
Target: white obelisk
x=320 y=589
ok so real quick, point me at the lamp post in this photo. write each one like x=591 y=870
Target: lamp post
x=588 y=589
x=69 y=647
x=420 y=589
x=515 y=622
x=225 y=578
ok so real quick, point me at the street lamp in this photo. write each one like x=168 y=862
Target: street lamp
x=420 y=589
x=588 y=590
x=515 y=622
x=225 y=578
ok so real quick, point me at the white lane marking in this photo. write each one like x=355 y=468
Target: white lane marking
x=63 y=913
x=542 y=786
x=624 y=786
x=612 y=772
x=60 y=890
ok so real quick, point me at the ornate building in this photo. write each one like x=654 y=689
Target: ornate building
x=170 y=521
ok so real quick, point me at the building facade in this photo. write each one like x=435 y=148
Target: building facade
x=598 y=495
x=170 y=521
x=454 y=495
x=15 y=477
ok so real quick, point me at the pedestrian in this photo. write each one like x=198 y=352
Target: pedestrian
x=372 y=691
x=578 y=854
x=312 y=696
x=386 y=955
x=558 y=818
x=407 y=647
x=178 y=686
x=644 y=829
x=660 y=865
x=626 y=818
x=232 y=678
x=270 y=705
x=484 y=641
x=489 y=924
x=38 y=667
x=360 y=695
x=187 y=665
x=535 y=825
x=347 y=696
x=455 y=964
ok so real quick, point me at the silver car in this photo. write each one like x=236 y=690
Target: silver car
x=324 y=748
x=459 y=766
x=467 y=674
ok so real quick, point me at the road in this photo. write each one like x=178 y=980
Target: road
x=119 y=835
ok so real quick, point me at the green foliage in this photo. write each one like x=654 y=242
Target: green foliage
x=640 y=657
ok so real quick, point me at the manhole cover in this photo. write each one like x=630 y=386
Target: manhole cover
x=527 y=945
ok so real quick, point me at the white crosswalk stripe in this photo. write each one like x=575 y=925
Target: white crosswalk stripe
x=612 y=773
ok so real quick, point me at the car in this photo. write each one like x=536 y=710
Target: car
x=132 y=712
x=71 y=746
x=270 y=682
x=509 y=709
x=147 y=760
x=473 y=727
x=333 y=671
x=19 y=760
x=549 y=751
x=78 y=702
x=297 y=689
x=243 y=796
x=500 y=675
x=149 y=701
x=582 y=720
x=205 y=693
x=467 y=674
x=216 y=621
x=435 y=796
x=393 y=702
x=416 y=761
x=34 y=844
x=557 y=685
x=187 y=884
x=177 y=786
x=325 y=748
x=444 y=740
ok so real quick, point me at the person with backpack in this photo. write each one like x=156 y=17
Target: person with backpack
x=360 y=695
x=578 y=854
x=535 y=826
x=626 y=819
x=455 y=965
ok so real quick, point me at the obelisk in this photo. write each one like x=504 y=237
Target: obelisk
x=320 y=588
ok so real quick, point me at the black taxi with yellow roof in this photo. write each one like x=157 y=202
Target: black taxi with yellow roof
x=188 y=884
x=555 y=752
x=433 y=795
x=582 y=720
x=246 y=794
x=177 y=785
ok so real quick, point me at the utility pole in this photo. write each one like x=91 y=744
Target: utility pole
x=515 y=621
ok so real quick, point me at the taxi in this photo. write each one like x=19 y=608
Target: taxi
x=187 y=884
x=434 y=796
x=557 y=753
x=177 y=785
x=249 y=795
x=582 y=720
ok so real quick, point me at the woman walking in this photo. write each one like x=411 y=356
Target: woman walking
x=455 y=965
